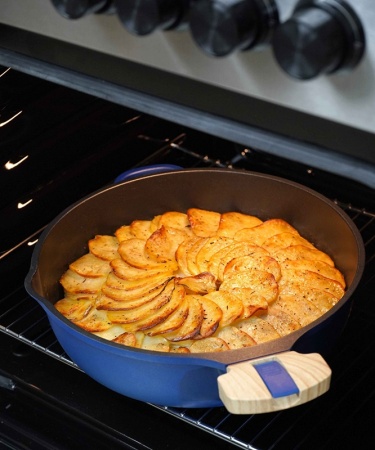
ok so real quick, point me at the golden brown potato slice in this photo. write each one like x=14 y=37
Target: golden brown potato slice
x=191 y=325
x=177 y=220
x=259 y=329
x=235 y=338
x=157 y=315
x=74 y=309
x=230 y=305
x=178 y=348
x=90 y=266
x=259 y=281
x=203 y=223
x=104 y=247
x=114 y=332
x=322 y=299
x=133 y=253
x=212 y=315
x=76 y=284
x=95 y=321
x=238 y=250
x=253 y=303
x=231 y=222
x=191 y=256
x=255 y=261
x=210 y=344
x=117 y=304
x=284 y=240
x=315 y=266
x=283 y=322
x=211 y=246
x=297 y=252
x=133 y=294
x=123 y=270
x=142 y=285
x=155 y=343
x=161 y=246
x=303 y=310
x=202 y=283
x=308 y=279
x=181 y=254
x=124 y=233
x=144 y=311
x=128 y=339
x=141 y=229
x=175 y=320
x=259 y=234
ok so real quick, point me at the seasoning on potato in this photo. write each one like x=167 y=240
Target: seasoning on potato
x=199 y=281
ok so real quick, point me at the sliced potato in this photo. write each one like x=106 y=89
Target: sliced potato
x=212 y=315
x=191 y=325
x=235 y=338
x=315 y=266
x=283 y=322
x=95 y=321
x=141 y=286
x=301 y=309
x=90 y=266
x=104 y=247
x=123 y=270
x=175 y=320
x=259 y=234
x=297 y=252
x=124 y=233
x=210 y=344
x=177 y=220
x=238 y=250
x=155 y=343
x=117 y=304
x=284 y=240
x=158 y=315
x=307 y=279
x=231 y=222
x=256 y=261
x=141 y=229
x=202 y=283
x=161 y=246
x=191 y=256
x=76 y=284
x=259 y=329
x=259 y=281
x=203 y=223
x=73 y=309
x=124 y=295
x=230 y=305
x=146 y=310
x=181 y=254
x=253 y=303
x=322 y=299
x=209 y=248
x=133 y=253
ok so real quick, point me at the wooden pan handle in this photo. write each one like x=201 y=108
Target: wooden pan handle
x=273 y=383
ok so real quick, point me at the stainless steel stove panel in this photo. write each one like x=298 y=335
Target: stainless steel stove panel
x=346 y=99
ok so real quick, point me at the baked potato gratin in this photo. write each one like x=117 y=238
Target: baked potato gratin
x=199 y=281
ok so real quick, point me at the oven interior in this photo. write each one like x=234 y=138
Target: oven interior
x=58 y=145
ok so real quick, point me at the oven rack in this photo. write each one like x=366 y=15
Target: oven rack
x=23 y=319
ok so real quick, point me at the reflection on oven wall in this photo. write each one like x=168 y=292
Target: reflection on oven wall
x=253 y=72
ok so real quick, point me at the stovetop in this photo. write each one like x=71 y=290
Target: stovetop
x=58 y=145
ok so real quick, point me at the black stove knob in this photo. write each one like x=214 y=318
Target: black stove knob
x=75 y=9
x=321 y=37
x=220 y=27
x=142 y=17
